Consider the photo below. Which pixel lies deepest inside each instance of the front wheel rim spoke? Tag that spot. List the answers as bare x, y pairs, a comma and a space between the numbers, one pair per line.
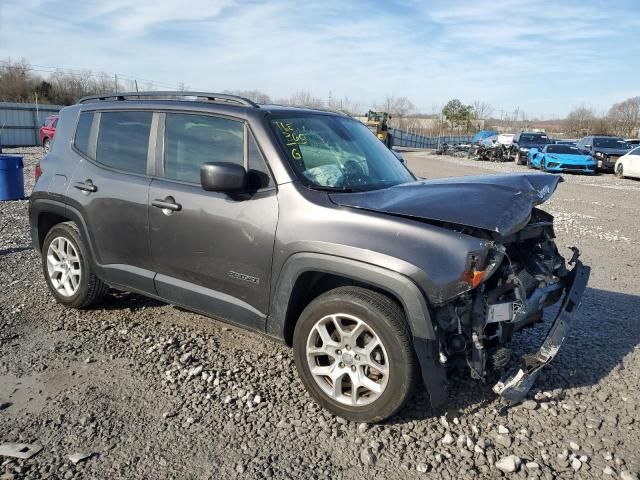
330, 362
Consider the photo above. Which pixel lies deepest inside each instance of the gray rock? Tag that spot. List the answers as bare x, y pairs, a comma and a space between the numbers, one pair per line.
367, 457
530, 404
447, 439
422, 467
509, 464
625, 475
576, 464
574, 446
532, 466
503, 430
363, 427
608, 471
79, 456
504, 440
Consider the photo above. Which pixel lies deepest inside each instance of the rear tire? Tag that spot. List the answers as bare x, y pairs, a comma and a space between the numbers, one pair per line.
67, 269
378, 360
46, 144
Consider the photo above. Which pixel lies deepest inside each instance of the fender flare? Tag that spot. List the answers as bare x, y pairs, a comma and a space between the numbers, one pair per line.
413, 301
39, 206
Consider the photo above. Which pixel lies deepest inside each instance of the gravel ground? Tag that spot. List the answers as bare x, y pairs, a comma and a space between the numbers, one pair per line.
151, 391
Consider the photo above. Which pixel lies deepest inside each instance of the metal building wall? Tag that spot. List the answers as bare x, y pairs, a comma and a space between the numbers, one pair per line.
20, 122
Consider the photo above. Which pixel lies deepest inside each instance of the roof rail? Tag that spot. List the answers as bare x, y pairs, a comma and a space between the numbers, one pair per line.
169, 95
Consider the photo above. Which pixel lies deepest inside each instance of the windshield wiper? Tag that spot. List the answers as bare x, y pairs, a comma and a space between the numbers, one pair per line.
327, 188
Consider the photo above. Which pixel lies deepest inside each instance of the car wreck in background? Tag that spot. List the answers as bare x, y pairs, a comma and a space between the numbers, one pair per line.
495, 148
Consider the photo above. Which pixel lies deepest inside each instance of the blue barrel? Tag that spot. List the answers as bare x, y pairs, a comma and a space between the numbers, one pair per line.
11, 178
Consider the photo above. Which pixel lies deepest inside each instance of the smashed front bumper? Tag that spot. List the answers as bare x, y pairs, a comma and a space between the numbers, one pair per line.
516, 383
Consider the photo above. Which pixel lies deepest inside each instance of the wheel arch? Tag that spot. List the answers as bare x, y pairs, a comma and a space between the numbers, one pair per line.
45, 213
307, 275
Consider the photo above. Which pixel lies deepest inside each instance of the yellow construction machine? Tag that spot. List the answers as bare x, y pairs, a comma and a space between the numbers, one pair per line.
378, 123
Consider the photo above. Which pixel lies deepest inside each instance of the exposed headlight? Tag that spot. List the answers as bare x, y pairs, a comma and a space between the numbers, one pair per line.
481, 265
525, 150
600, 155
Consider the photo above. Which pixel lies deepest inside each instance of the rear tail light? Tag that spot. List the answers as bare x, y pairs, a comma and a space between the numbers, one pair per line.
38, 171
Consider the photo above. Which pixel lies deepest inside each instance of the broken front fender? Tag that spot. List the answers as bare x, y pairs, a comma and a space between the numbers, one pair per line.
515, 385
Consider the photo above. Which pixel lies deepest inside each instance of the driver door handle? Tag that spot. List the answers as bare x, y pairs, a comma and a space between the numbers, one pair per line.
167, 204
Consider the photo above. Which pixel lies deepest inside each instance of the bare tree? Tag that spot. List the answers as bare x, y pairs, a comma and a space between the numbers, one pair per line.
17, 82
625, 116
481, 110
580, 121
396, 106
302, 98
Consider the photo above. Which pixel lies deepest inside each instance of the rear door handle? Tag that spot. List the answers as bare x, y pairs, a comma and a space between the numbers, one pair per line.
167, 204
86, 186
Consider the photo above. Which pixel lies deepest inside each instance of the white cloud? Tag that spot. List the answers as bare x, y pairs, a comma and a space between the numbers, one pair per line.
539, 56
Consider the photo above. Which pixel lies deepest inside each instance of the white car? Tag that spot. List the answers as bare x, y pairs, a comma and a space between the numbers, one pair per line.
629, 164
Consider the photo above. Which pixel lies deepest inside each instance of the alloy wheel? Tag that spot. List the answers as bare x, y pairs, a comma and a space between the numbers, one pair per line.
347, 359
63, 266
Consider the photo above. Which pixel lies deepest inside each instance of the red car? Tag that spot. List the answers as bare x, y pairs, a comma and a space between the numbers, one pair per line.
48, 131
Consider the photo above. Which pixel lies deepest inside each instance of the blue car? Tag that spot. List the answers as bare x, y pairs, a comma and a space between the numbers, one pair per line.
561, 158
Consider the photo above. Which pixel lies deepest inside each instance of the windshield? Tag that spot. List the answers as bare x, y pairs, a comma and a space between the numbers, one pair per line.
610, 143
338, 153
563, 149
534, 138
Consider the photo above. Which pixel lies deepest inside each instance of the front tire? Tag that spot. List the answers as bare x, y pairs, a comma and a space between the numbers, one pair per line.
46, 145
620, 171
354, 354
528, 162
517, 159
67, 270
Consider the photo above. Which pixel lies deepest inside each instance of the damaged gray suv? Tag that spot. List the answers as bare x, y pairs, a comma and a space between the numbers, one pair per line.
301, 225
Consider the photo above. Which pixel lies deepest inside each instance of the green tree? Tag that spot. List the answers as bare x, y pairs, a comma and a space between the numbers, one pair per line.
458, 114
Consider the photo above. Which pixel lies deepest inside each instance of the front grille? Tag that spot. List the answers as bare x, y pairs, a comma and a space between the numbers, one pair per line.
573, 167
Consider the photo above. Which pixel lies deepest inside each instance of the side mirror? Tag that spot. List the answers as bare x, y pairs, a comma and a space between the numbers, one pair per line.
586, 147
223, 177
534, 151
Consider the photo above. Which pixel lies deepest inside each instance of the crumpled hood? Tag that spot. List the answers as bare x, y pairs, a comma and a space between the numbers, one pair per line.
611, 151
499, 203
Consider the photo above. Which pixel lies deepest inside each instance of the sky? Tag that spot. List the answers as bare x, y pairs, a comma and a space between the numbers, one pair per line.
542, 57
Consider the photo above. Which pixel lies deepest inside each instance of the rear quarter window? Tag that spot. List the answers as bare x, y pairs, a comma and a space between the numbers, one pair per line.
83, 131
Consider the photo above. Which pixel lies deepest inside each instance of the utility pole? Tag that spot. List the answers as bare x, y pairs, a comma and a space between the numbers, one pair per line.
136, 81
116, 77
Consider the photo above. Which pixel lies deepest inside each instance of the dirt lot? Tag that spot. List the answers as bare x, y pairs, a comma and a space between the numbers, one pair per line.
152, 391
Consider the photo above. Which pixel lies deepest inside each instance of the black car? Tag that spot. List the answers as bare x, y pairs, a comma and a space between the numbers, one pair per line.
300, 225
605, 149
525, 141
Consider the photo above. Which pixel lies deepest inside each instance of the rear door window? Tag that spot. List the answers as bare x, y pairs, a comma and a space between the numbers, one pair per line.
191, 140
123, 140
